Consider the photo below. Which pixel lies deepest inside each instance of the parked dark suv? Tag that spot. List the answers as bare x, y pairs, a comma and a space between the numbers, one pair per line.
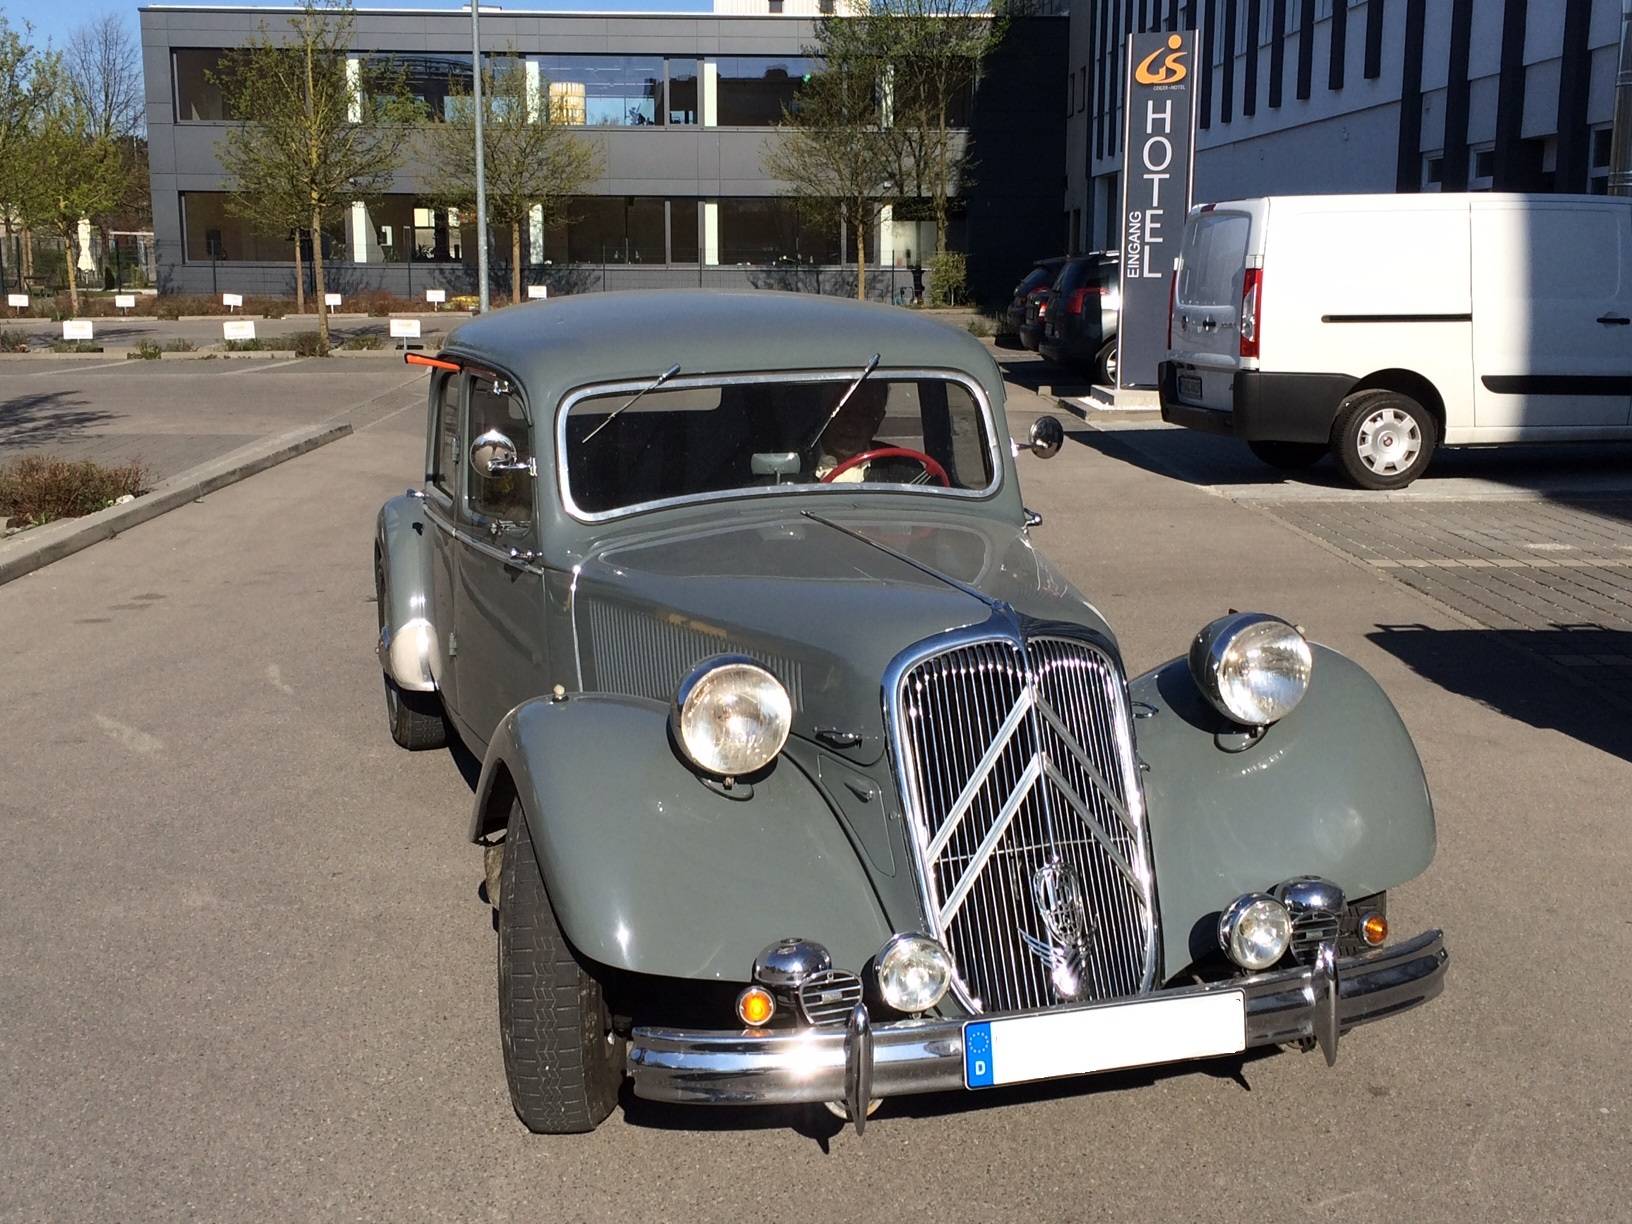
1084, 310
1022, 317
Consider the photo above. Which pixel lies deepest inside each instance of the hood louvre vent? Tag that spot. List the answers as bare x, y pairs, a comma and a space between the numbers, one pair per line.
639, 655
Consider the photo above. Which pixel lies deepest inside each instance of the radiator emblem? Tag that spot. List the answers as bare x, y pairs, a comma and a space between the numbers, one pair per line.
1058, 894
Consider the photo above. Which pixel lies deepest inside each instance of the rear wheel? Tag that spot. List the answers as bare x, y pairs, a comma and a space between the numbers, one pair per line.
1105, 364
1289, 456
1384, 439
562, 1061
415, 719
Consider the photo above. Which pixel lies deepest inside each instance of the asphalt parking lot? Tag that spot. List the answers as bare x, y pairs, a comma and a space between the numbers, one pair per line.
245, 971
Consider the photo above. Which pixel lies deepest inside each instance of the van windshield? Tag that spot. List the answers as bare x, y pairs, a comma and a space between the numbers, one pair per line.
1214, 253
767, 435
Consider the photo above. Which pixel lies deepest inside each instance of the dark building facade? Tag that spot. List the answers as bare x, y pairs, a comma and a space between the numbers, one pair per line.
678, 107
1304, 96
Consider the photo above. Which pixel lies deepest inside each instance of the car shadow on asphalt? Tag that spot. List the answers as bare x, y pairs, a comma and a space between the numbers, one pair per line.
817, 1123
1573, 679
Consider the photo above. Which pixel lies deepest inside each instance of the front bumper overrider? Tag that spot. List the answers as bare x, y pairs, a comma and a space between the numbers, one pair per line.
862, 1061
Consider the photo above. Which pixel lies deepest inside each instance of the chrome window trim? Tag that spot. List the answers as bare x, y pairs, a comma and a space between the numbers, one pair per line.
1007, 630
629, 386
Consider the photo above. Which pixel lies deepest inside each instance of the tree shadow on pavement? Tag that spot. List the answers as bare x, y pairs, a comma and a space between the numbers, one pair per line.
1575, 679
29, 422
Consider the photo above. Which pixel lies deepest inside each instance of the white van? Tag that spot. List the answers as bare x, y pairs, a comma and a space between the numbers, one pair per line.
1377, 327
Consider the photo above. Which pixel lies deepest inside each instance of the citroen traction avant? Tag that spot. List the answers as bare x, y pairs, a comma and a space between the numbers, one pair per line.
807, 778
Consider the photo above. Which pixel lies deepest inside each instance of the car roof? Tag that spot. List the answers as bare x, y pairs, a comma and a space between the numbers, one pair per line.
560, 344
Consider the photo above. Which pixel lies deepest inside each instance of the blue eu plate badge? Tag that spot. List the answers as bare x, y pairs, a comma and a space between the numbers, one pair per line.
977, 1055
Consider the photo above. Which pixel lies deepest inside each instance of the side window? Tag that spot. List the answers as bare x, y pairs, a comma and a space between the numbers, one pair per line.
445, 461
507, 497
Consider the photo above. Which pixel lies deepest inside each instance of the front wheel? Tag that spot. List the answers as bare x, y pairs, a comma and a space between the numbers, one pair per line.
1288, 456
562, 1061
1384, 439
1105, 364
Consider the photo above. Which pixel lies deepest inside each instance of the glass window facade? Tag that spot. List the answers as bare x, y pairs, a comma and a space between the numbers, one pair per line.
210, 232
197, 97
683, 95
684, 219
436, 80
771, 231
754, 90
612, 230
606, 90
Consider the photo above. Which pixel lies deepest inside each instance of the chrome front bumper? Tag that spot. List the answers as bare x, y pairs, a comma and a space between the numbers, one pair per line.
864, 1061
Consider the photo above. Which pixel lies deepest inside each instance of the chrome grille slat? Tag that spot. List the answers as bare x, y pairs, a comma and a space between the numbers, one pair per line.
827, 998
1016, 756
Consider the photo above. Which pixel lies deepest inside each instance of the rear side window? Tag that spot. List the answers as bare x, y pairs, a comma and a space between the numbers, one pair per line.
1037, 278
1215, 252
445, 462
1075, 274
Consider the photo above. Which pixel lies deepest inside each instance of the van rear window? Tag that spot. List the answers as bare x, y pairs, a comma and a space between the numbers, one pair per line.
1215, 252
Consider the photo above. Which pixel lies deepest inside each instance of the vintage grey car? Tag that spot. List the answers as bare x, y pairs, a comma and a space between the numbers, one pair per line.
807, 778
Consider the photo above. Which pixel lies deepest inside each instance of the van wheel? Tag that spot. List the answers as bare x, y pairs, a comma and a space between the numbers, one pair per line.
563, 1063
1105, 365
1289, 456
1384, 439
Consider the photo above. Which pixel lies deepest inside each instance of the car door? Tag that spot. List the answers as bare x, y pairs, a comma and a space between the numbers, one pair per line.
1550, 291
499, 658
443, 468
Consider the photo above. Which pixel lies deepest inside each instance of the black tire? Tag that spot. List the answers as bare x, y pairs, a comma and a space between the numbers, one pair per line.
563, 1066
1368, 419
415, 719
1289, 456
1105, 364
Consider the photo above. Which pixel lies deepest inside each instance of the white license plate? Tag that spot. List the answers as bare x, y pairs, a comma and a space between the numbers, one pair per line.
1085, 1040
1189, 387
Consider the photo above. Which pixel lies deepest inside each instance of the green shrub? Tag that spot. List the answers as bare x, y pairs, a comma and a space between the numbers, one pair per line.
308, 344
38, 489
257, 345
147, 350
362, 340
75, 346
180, 346
980, 327
13, 341
948, 279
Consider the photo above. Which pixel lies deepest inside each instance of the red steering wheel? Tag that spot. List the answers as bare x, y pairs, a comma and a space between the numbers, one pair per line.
931, 469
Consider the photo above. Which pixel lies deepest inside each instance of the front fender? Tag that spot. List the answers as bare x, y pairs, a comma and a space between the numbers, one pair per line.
653, 871
407, 645
1334, 789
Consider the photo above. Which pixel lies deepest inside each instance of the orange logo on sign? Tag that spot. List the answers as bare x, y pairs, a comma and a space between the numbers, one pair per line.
1171, 71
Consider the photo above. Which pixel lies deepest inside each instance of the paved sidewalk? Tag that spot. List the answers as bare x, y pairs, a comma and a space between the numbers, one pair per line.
170, 416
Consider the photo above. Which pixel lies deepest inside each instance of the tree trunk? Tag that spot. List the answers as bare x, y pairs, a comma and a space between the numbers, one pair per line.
515, 262
317, 283
300, 279
69, 233
860, 231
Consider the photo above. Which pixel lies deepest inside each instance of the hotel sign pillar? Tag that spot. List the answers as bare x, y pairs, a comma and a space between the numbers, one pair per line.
1158, 157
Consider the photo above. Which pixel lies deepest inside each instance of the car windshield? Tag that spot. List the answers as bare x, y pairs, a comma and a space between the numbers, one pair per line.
924, 433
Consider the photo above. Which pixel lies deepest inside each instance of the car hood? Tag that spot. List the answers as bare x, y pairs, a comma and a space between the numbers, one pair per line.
825, 603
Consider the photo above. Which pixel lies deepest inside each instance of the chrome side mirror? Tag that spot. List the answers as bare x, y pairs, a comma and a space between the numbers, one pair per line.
493, 454
1046, 437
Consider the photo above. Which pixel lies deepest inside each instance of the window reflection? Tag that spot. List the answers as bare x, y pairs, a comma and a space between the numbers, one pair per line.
772, 231
197, 97
755, 90
604, 90
436, 80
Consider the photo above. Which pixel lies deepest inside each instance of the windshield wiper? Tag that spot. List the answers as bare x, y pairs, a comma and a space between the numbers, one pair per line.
872, 364
633, 399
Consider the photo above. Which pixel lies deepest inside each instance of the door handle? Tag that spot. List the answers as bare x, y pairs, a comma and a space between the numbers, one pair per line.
1614, 320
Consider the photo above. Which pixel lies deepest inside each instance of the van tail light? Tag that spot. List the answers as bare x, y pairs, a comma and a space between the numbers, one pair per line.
1252, 294
1172, 293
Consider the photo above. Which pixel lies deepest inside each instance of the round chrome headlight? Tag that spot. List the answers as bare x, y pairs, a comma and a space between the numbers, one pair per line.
1255, 931
1253, 668
913, 973
731, 716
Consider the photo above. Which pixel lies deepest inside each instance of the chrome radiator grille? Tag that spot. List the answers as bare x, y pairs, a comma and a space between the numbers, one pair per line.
1024, 800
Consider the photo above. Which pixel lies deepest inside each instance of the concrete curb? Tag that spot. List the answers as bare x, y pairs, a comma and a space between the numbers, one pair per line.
40, 546
107, 354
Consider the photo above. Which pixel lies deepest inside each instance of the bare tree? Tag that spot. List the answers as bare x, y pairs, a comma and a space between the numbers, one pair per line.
104, 70
312, 129
532, 161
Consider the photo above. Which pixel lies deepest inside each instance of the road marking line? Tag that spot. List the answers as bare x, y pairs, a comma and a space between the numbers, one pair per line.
274, 364
129, 737
77, 368
1501, 563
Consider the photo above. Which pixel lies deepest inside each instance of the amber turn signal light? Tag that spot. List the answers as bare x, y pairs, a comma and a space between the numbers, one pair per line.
755, 1006
1373, 928
435, 363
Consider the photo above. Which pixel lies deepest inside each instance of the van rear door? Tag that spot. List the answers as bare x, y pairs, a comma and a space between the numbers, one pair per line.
1206, 339
1552, 319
